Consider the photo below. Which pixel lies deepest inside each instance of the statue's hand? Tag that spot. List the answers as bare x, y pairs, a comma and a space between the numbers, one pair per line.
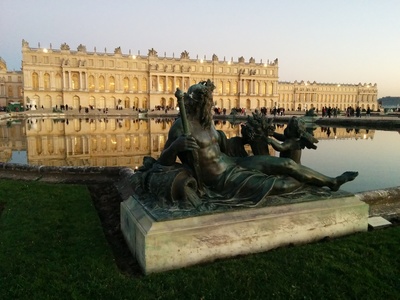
185, 143
178, 93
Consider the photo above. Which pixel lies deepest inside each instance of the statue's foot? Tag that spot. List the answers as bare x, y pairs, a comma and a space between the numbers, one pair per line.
345, 177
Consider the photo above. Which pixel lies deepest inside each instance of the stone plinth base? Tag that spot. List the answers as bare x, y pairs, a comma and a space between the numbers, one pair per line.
166, 245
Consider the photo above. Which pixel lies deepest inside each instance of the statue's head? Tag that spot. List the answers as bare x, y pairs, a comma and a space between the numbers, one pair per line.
199, 100
296, 128
199, 93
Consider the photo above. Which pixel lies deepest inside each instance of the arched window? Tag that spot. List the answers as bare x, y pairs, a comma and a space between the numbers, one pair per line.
101, 84
178, 83
234, 87
162, 84
248, 104
111, 84
46, 81
256, 87
135, 84
228, 88
111, 103
127, 103
91, 83
144, 85
220, 86
269, 92
144, 103
91, 101
75, 81
136, 102
170, 85
126, 84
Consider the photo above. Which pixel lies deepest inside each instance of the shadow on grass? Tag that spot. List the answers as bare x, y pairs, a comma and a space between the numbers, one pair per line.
107, 201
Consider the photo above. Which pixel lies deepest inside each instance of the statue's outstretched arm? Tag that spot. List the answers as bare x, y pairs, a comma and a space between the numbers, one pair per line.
291, 144
279, 136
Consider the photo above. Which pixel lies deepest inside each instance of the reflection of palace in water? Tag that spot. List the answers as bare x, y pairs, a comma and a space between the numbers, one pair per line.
12, 138
111, 141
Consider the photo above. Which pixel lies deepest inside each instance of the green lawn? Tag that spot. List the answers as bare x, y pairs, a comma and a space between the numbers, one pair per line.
52, 247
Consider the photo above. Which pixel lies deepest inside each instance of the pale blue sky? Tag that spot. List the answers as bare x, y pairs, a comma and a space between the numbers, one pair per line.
337, 41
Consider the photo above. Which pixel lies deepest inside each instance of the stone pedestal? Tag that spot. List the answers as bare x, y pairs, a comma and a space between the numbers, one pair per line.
165, 245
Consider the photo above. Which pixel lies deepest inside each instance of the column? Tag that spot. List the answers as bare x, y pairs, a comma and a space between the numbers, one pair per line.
69, 80
64, 80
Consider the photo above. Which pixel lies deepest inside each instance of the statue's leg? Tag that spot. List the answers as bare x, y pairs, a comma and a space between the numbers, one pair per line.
284, 184
272, 165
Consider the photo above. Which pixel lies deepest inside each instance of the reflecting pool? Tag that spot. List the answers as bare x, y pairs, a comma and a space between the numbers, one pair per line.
125, 141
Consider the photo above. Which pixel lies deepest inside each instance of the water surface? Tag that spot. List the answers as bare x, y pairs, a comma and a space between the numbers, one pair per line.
124, 142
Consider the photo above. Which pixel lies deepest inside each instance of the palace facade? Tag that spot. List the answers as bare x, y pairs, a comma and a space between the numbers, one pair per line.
11, 85
79, 78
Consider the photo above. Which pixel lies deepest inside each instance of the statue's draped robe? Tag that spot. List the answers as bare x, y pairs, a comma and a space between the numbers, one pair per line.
240, 187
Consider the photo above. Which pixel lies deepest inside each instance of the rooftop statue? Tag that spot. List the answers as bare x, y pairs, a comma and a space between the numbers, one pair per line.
210, 173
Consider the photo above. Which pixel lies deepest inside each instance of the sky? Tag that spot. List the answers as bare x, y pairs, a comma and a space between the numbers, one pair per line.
327, 41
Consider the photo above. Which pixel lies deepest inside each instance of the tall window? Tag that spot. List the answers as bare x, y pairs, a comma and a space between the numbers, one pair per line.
144, 85
75, 81
170, 84
234, 87
91, 83
228, 88
101, 83
111, 84
126, 85
46, 81
135, 84
220, 85
35, 81
162, 84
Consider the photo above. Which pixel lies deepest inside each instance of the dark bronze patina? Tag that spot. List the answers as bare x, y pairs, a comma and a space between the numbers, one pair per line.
217, 172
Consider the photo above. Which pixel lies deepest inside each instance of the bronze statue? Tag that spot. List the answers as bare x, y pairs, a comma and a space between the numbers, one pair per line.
294, 139
259, 132
229, 180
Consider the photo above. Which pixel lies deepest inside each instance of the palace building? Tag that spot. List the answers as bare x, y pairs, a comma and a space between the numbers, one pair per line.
79, 78
11, 85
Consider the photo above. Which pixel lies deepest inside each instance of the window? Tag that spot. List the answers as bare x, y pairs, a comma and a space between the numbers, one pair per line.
35, 81
111, 84
101, 84
126, 85
46, 81
75, 81
91, 84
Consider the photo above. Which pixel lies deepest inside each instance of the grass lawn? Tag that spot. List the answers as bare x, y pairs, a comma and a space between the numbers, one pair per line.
52, 246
